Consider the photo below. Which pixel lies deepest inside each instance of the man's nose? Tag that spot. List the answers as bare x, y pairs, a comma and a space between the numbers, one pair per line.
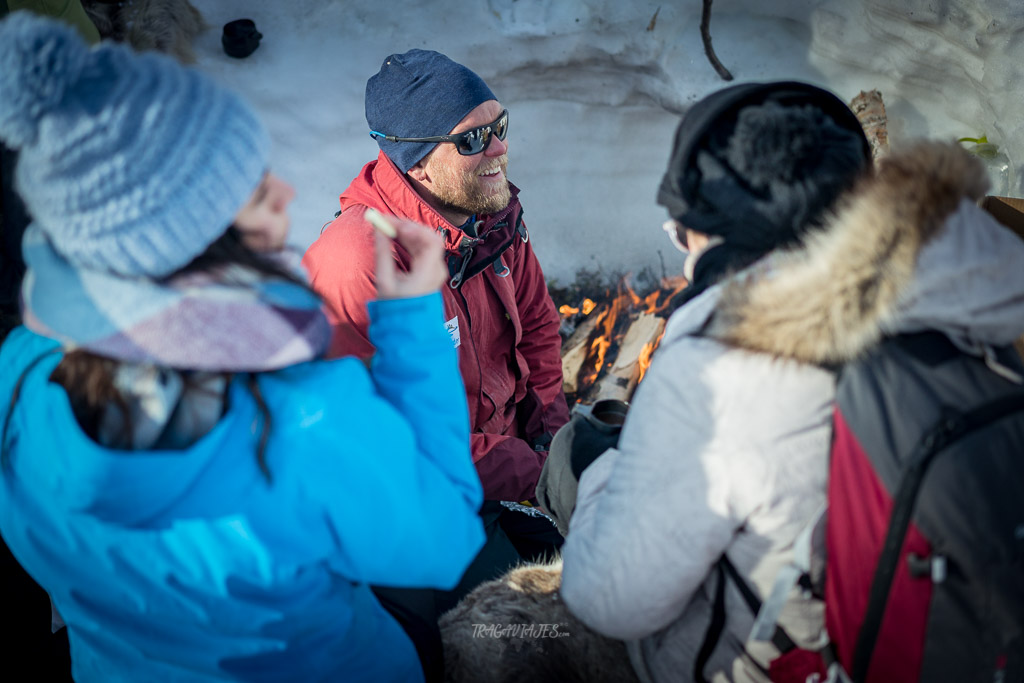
496, 147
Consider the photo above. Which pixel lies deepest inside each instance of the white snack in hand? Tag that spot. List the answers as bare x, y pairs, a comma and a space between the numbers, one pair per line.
377, 220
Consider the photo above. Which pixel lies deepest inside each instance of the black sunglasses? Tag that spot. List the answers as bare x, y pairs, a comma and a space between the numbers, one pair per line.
469, 142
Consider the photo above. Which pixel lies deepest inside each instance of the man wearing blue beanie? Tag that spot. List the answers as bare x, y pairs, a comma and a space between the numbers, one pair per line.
442, 162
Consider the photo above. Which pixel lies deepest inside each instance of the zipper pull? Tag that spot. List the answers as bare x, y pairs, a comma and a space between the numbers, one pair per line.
457, 278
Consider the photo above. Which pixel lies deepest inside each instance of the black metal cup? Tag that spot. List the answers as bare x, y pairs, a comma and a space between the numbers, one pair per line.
240, 38
606, 415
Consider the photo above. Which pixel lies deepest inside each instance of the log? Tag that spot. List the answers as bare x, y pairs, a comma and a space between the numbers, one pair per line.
621, 378
870, 111
574, 353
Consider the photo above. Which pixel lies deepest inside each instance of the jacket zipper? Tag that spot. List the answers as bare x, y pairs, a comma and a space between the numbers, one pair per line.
476, 354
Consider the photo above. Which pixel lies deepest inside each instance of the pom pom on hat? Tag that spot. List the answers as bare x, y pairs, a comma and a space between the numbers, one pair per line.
40, 60
129, 163
759, 163
772, 143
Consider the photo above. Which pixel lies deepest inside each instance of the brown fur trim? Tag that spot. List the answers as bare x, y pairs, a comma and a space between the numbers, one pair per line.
512, 652
824, 302
168, 26
165, 26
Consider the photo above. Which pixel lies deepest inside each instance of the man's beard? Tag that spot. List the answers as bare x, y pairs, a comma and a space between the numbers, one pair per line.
462, 192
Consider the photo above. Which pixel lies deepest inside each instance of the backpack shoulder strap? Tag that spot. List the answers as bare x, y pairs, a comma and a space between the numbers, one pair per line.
800, 571
725, 569
715, 628
782, 641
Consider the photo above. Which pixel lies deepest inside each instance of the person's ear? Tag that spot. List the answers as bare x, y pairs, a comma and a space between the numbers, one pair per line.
419, 171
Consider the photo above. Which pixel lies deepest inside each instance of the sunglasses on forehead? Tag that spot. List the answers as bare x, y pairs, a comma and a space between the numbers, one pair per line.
469, 142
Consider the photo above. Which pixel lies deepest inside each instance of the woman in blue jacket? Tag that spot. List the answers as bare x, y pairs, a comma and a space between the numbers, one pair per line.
202, 495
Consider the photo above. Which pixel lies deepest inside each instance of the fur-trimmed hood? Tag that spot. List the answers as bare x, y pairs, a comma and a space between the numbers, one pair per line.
907, 250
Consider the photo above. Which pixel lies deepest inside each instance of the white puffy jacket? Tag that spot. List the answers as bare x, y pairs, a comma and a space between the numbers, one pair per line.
725, 449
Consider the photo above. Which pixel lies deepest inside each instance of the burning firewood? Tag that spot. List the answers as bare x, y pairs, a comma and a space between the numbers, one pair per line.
870, 111
633, 358
574, 354
610, 348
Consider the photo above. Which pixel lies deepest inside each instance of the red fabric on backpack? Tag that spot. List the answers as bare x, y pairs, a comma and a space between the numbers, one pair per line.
858, 517
795, 666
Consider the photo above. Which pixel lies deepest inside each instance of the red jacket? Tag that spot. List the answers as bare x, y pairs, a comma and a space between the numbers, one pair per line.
496, 305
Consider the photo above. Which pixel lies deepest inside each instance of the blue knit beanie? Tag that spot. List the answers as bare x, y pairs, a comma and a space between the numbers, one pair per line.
129, 163
420, 94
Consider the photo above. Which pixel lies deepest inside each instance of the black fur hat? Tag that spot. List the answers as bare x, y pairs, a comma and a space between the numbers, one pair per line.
758, 163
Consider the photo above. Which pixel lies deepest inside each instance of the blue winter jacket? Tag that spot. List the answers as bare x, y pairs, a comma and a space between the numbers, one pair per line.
189, 565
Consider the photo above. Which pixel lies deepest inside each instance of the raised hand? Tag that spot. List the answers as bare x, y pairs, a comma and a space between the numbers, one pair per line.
427, 271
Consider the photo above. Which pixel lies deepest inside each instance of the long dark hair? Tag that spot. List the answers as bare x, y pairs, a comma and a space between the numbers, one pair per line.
88, 378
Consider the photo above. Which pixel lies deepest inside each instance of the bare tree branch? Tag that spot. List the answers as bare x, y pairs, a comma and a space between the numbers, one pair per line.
705, 34
654, 19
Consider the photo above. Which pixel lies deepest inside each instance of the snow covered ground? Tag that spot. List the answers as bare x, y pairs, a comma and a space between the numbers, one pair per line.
595, 89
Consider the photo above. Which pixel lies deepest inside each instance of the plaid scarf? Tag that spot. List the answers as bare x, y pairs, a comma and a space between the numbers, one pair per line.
230, 319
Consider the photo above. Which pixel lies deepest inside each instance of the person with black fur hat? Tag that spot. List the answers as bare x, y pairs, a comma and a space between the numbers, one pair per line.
803, 258
742, 180
723, 451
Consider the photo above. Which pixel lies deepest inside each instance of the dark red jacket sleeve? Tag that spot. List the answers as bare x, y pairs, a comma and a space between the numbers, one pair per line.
544, 409
508, 467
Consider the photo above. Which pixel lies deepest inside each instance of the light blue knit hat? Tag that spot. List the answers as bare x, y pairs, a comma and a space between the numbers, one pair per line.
129, 163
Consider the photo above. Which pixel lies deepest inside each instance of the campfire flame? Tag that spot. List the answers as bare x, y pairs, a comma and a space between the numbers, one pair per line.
644, 360
587, 306
649, 304
606, 320
614, 315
